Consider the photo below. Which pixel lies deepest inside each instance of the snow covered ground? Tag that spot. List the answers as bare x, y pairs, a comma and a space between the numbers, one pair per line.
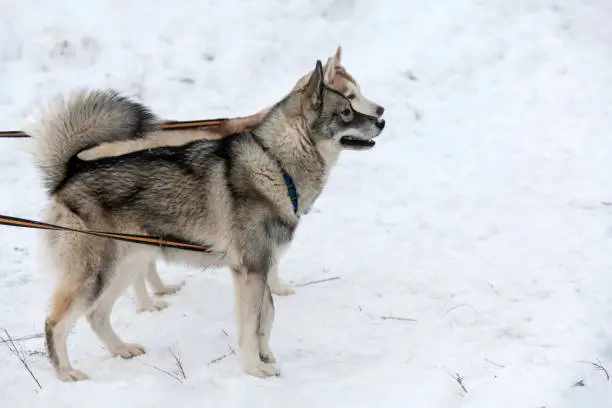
478, 223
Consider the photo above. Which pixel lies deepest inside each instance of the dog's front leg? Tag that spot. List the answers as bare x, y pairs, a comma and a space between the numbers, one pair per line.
265, 327
255, 315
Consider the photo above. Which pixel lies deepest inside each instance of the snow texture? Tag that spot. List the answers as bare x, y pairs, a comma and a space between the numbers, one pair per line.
473, 240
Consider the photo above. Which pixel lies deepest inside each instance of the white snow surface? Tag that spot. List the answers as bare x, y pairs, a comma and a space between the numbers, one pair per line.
478, 223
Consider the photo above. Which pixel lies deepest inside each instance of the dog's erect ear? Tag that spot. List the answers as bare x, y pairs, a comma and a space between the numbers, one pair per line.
331, 65
338, 56
313, 93
329, 70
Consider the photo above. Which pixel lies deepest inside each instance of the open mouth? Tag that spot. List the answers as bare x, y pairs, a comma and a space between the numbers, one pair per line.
359, 143
356, 142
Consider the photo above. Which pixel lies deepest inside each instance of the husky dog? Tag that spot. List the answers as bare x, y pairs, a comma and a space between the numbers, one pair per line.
242, 195
335, 76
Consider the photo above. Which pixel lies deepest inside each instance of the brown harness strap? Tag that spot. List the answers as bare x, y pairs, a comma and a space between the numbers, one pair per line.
167, 125
191, 124
13, 133
139, 239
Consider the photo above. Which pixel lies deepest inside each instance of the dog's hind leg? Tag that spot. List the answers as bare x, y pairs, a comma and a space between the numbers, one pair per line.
276, 286
99, 315
160, 288
67, 305
251, 289
144, 301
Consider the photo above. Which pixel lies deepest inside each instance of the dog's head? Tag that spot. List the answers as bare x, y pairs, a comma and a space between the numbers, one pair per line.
338, 78
330, 117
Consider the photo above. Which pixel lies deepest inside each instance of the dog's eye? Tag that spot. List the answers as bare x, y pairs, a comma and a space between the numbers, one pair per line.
351, 96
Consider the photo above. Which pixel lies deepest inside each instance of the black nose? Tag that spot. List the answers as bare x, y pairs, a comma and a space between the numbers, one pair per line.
380, 124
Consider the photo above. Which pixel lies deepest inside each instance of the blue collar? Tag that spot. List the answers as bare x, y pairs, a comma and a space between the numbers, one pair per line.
291, 189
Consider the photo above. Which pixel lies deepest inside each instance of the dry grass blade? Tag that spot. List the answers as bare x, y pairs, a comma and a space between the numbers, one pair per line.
24, 338
459, 380
494, 363
179, 363
18, 352
318, 281
216, 360
403, 319
456, 307
598, 366
161, 370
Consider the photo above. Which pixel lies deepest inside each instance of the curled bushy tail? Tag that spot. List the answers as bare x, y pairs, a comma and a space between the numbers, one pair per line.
81, 121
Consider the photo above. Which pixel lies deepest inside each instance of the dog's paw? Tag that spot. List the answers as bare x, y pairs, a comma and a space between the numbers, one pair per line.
282, 290
267, 357
169, 289
155, 306
72, 375
262, 370
129, 351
